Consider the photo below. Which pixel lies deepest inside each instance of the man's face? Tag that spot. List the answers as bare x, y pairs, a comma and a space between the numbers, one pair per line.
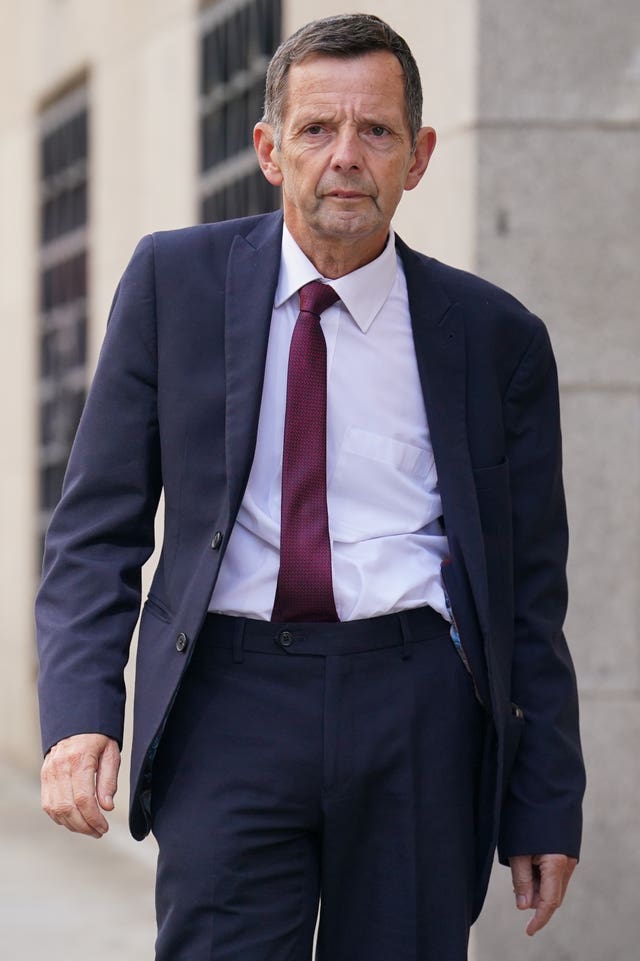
345, 155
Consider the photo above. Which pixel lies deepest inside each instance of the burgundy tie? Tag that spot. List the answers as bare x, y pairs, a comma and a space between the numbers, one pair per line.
305, 591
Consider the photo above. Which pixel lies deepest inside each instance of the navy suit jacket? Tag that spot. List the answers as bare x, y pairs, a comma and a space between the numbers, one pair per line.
174, 406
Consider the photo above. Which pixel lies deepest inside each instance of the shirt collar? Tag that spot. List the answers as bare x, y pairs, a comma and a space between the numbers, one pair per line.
363, 292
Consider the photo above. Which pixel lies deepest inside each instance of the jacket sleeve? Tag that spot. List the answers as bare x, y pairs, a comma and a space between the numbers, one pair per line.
542, 809
101, 532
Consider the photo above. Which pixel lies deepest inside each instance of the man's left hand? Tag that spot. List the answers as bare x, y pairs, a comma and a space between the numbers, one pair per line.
540, 882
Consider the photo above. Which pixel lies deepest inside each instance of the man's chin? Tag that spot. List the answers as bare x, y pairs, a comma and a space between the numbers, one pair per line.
348, 224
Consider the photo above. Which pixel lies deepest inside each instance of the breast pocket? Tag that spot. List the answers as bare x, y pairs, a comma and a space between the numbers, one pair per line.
380, 486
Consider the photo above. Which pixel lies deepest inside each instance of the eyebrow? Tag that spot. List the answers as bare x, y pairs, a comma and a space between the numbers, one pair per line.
374, 120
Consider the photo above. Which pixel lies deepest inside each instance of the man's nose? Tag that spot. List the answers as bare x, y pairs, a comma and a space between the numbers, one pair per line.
347, 151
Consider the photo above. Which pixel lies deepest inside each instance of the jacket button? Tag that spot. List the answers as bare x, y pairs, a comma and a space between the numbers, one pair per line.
217, 540
285, 638
182, 643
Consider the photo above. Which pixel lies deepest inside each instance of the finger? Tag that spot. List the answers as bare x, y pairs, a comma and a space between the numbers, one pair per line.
572, 863
56, 792
107, 776
83, 783
524, 881
552, 869
46, 794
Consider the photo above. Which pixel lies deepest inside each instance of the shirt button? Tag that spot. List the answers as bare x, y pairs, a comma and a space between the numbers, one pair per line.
285, 638
182, 643
217, 540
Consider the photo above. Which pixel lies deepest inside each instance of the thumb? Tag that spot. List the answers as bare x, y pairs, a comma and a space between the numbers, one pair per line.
107, 775
523, 880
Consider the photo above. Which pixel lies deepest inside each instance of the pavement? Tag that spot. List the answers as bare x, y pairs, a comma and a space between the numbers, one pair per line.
64, 897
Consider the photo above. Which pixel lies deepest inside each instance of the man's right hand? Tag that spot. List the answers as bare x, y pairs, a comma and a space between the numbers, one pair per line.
79, 779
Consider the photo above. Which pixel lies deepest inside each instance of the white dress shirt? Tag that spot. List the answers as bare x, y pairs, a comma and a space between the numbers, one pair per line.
387, 539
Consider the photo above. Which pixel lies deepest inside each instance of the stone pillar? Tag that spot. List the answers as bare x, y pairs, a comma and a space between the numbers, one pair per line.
558, 212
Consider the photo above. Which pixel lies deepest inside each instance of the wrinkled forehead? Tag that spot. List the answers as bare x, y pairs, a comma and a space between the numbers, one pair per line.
366, 78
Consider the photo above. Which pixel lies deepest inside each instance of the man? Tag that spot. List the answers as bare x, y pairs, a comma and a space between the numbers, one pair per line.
351, 676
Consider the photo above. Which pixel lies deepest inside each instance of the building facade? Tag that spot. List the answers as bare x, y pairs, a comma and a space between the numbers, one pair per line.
122, 118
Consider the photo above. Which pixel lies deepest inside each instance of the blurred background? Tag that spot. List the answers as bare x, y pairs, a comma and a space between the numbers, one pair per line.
123, 117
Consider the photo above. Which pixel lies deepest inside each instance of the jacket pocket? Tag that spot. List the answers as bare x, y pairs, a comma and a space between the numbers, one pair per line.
156, 607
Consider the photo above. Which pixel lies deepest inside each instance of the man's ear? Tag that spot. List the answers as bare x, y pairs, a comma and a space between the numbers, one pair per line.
425, 145
264, 142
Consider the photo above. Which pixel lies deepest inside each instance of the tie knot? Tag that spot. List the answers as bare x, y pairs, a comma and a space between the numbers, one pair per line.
316, 297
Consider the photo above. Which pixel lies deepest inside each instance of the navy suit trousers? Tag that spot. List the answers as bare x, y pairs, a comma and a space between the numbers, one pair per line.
307, 764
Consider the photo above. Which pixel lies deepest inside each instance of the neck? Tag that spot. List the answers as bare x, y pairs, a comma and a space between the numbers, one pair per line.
336, 258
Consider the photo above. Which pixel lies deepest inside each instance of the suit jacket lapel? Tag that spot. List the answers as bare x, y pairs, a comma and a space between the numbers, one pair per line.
252, 277
439, 337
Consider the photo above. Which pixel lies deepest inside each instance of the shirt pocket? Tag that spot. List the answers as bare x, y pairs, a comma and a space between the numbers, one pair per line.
381, 486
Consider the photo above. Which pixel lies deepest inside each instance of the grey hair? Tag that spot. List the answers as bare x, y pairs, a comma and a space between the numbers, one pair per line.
347, 35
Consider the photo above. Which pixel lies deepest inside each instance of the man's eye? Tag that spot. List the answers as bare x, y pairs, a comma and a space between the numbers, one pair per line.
379, 131
314, 129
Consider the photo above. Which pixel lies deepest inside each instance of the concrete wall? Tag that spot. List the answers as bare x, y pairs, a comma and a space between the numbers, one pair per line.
18, 464
558, 211
142, 78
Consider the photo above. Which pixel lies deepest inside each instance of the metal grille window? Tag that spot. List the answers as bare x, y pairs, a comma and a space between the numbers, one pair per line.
63, 287
238, 39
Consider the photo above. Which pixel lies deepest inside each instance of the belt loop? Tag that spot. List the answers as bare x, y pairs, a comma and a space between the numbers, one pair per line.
238, 638
406, 637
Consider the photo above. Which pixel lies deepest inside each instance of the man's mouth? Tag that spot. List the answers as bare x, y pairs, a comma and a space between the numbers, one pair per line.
346, 194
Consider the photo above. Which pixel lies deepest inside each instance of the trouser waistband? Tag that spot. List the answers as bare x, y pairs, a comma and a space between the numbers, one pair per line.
323, 639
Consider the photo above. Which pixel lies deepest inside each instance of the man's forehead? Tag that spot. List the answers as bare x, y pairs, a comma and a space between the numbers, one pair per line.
324, 77
335, 64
